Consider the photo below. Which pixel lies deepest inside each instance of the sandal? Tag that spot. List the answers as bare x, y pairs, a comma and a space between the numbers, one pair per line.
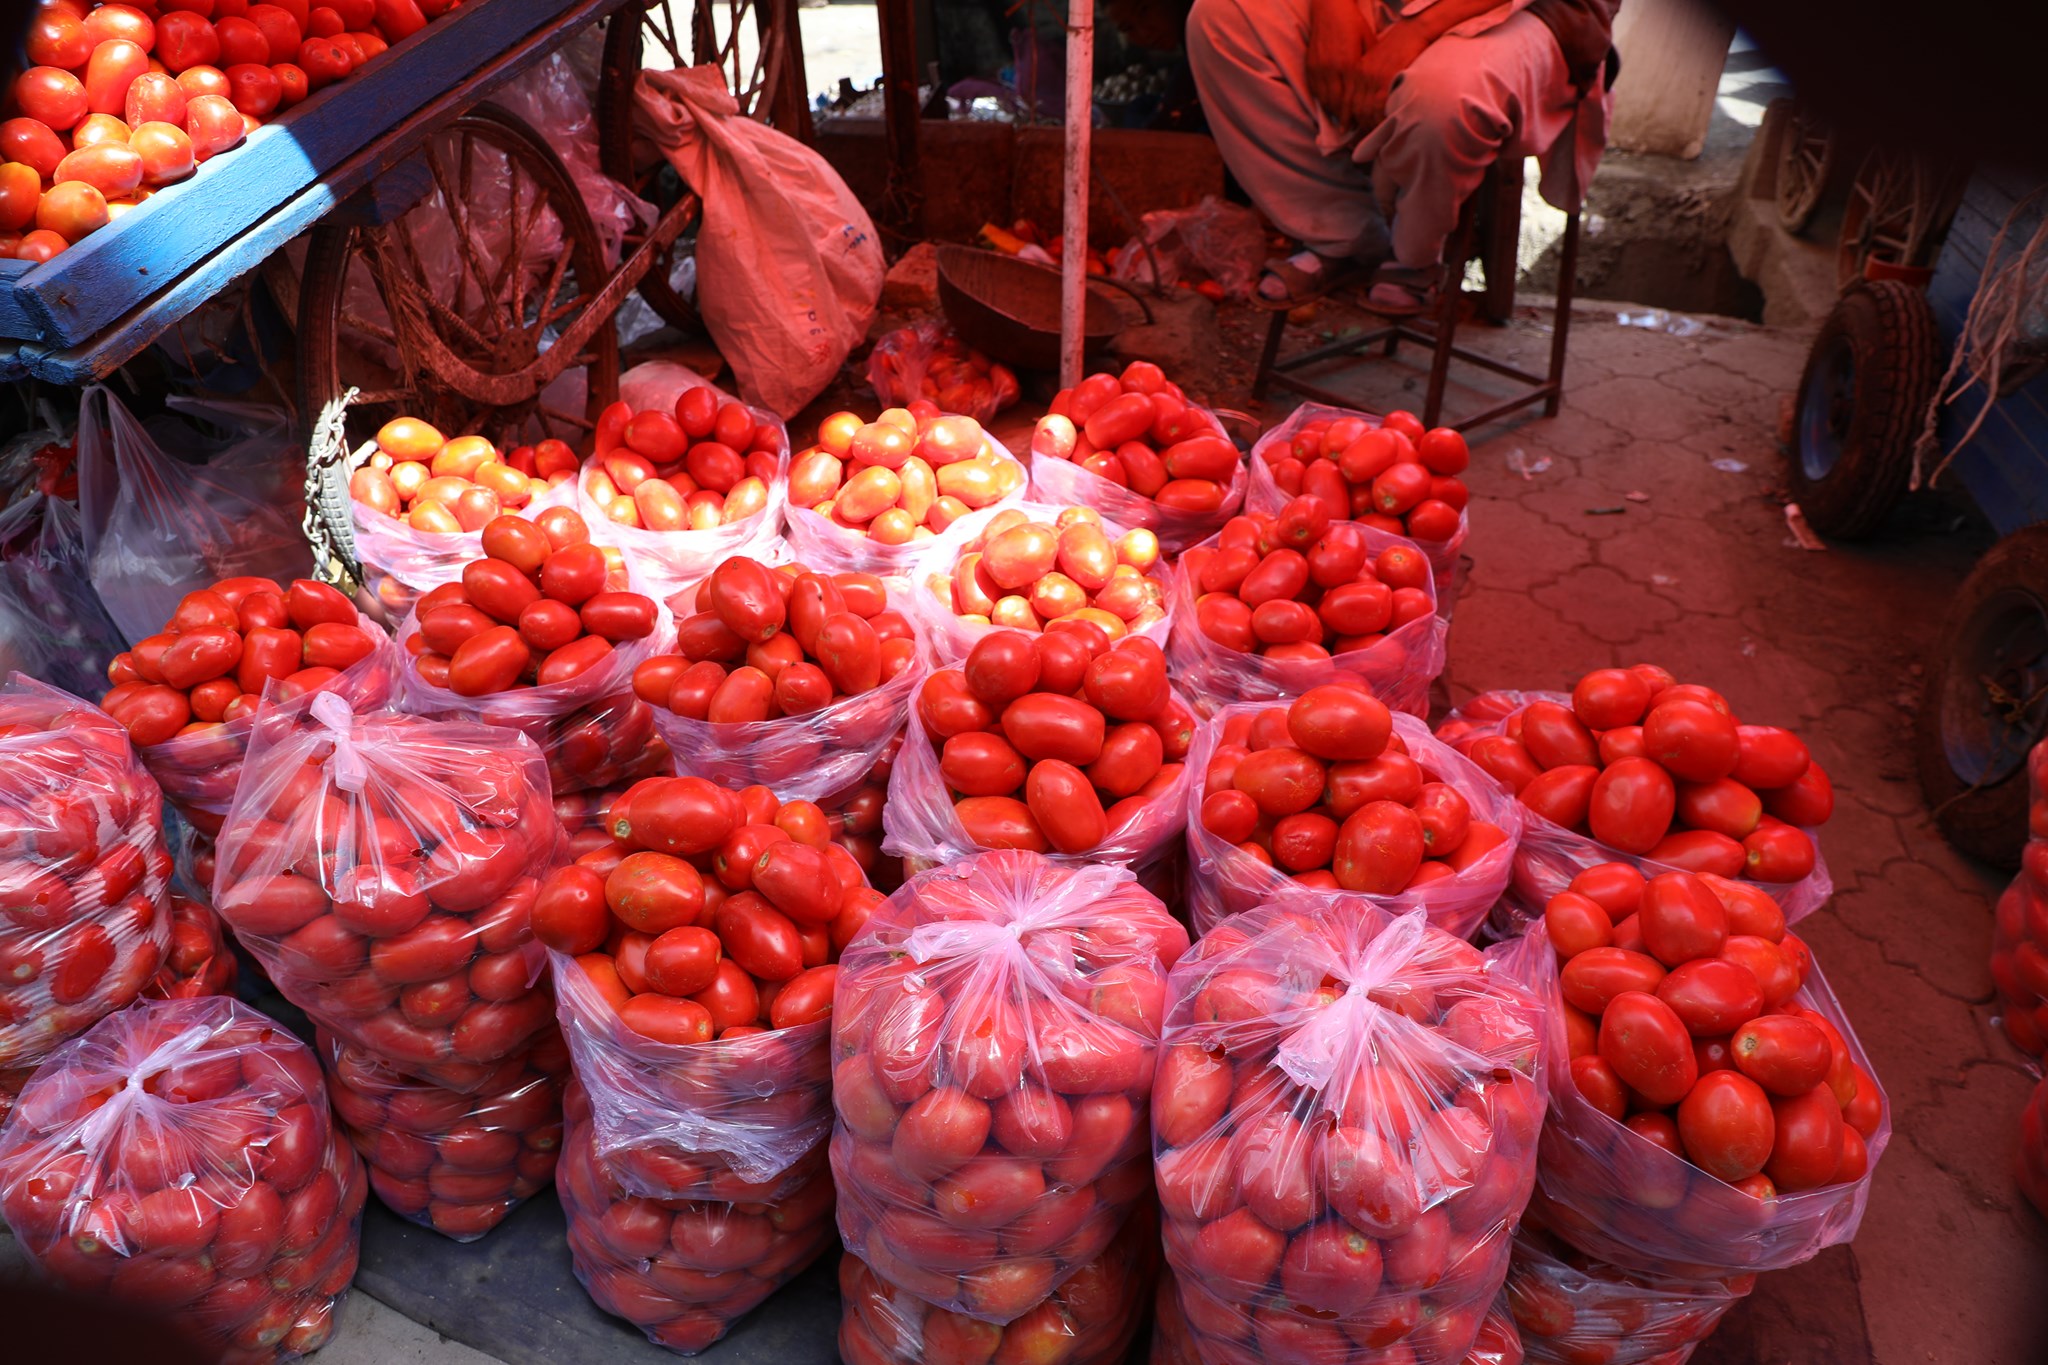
1403, 291
1301, 286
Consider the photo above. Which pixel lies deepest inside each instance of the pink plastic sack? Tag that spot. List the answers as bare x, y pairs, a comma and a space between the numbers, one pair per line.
2019, 933
833, 549
383, 869
1399, 668
1066, 483
2032, 1164
180, 1156
199, 961
1091, 1319
1572, 1308
452, 1161
1550, 855
1227, 880
83, 870
1620, 1198
994, 1031
1344, 1133
684, 1268
1498, 1343
929, 361
1446, 557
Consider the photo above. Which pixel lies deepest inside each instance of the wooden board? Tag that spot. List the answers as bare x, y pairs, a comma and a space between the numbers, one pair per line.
72, 298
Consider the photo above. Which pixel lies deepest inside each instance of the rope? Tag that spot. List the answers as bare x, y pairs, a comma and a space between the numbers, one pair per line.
2005, 294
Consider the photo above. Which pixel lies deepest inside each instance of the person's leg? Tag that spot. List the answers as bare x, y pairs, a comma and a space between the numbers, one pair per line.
1448, 117
1249, 59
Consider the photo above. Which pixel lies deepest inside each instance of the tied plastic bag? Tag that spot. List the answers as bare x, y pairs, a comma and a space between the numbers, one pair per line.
1091, 1319
2019, 934
199, 961
452, 1161
1212, 241
180, 1156
2032, 1163
976, 484
83, 870
789, 266
1265, 494
1572, 1308
52, 625
684, 1269
156, 529
1621, 1198
928, 360
1549, 855
383, 870
994, 1031
1344, 1127
1399, 666
1227, 879
1498, 1343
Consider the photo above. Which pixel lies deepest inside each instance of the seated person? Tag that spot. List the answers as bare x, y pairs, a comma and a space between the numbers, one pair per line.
1359, 128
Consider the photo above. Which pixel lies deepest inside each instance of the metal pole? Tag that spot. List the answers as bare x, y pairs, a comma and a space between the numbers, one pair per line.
1080, 111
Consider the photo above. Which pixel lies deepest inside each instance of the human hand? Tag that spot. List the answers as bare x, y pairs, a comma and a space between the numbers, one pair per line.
1336, 45
1385, 59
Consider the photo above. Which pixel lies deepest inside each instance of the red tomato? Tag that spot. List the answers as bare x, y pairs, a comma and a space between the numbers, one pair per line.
1727, 1126
1379, 847
1778, 853
1065, 807
1643, 1039
1631, 806
1595, 976
1712, 996
1807, 1149
1691, 739
1555, 738
1682, 919
1783, 1053
1608, 698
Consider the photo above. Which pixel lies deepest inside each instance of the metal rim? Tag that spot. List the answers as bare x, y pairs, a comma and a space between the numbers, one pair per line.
1994, 704
1827, 407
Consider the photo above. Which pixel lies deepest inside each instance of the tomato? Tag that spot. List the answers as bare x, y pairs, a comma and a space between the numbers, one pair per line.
73, 210
166, 152
1643, 1039
1609, 698
1043, 725
1682, 919
759, 938
1063, 804
1595, 976
487, 663
1128, 682
1000, 822
1631, 805
52, 97
977, 764
940, 1132
1783, 1053
1809, 800
1807, 1149
1727, 1125
1712, 996
1507, 762
32, 143
1562, 795
1724, 806
1774, 971
1575, 923
1692, 739
1379, 846
1778, 853
1339, 723
214, 125
1555, 738
618, 616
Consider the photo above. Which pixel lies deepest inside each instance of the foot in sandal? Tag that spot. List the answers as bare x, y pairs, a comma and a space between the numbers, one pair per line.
1302, 277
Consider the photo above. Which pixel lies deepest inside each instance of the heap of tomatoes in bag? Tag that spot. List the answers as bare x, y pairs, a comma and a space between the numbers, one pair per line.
2019, 940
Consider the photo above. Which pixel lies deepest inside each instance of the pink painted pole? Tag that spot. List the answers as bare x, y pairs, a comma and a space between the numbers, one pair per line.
1080, 113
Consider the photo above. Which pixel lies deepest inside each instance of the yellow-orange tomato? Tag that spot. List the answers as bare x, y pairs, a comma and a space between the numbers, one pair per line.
835, 433
512, 487
71, 210
20, 188
39, 246
429, 515
463, 456
408, 438
166, 153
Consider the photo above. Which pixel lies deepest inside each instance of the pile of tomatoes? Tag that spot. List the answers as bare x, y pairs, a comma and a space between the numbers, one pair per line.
199, 961
1060, 742
903, 478
443, 487
994, 1043
1498, 1343
1575, 1310
1344, 1129
1394, 476
120, 100
1657, 769
930, 362
383, 869
2019, 939
1334, 793
453, 1160
83, 870
1693, 1019
709, 463
1154, 459
189, 694
180, 1157
1031, 568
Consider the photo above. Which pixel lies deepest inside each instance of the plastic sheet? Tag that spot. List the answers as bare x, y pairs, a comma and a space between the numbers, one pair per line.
928, 360
1446, 557
1226, 880
2019, 933
1549, 855
1622, 1199
446, 1160
1344, 1124
1001, 997
1066, 483
180, 1156
83, 870
1399, 668
383, 868
1571, 1308
156, 528
1091, 1319
199, 961
683, 1270
52, 625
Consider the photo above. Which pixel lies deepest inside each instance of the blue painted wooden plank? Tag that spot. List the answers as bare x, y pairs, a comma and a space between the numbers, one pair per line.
98, 280
14, 319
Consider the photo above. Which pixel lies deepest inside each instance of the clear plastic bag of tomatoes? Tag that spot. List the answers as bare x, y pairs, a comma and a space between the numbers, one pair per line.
383, 869
1498, 1342
1572, 1308
50, 618
1058, 446
1344, 1124
1227, 879
1092, 1318
1446, 557
457, 1162
180, 1156
400, 562
1399, 666
818, 753
199, 767
929, 361
1621, 1198
592, 731
2019, 933
831, 548
1550, 855
994, 1033
83, 870
685, 1269
199, 961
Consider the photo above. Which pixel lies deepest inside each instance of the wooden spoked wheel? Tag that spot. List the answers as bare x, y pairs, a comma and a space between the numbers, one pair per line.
1899, 206
1807, 153
477, 308
755, 43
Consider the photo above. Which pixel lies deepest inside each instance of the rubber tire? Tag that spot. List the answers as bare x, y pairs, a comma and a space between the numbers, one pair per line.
1989, 823
1893, 343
